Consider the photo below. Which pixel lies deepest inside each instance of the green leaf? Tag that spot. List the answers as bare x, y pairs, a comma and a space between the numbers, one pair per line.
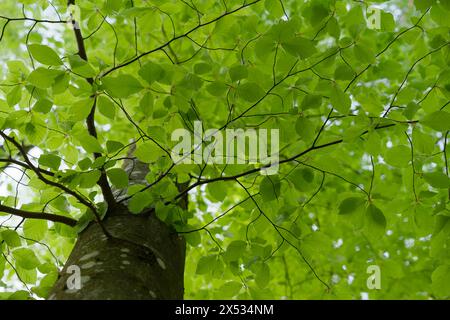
193, 239
11, 238
113, 146
43, 106
118, 177
202, 68
139, 202
340, 100
344, 72
235, 250
61, 83
81, 67
398, 156
35, 133
238, 72
302, 179
146, 104
440, 283
43, 78
439, 121
424, 4
230, 288
2, 267
19, 295
387, 21
44, 55
81, 109
262, 275
148, 152
299, 47
217, 88
218, 190
305, 128
89, 179
26, 259
28, 276
106, 107
375, 221
14, 96
250, 92
122, 86
46, 285
89, 143
437, 180
270, 188
205, 264
151, 72
50, 160
85, 164
35, 229
363, 53
311, 101
351, 205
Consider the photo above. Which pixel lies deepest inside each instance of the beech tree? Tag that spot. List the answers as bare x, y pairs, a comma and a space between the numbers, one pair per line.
349, 97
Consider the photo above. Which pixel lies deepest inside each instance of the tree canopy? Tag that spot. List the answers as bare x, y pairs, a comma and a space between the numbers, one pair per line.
358, 91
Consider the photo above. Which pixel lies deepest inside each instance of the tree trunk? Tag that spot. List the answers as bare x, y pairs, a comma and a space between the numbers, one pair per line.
144, 260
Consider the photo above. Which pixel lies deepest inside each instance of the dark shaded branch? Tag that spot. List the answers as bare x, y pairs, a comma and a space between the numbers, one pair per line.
38, 215
32, 19
90, 120
24, 165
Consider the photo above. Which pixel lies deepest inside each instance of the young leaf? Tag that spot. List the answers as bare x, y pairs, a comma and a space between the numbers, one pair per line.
50, 160
118, 177
375, 221
270, 188
238, 72
440, 283
139, 202
148, 152
11, 238
350, 205
122, 86
43, 106
44, 55
235, 250
340, 100
106, 107
26, 258
90, 143
113, 146
437, 179
35, 229
151, 72
439, 121
250, 92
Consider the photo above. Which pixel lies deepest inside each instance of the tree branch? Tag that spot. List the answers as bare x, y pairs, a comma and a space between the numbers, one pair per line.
38, 215
90, 120
24, 165
80, 198
161, 47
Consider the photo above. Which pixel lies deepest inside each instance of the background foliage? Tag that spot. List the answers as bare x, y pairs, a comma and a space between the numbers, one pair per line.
363, 119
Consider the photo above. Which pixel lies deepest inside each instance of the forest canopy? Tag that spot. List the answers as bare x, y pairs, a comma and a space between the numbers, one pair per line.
340, 188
